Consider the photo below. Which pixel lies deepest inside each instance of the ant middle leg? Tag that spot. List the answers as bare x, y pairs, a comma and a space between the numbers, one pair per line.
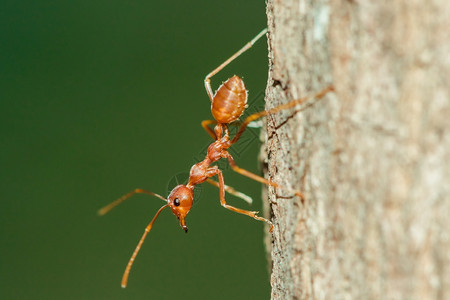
256, 177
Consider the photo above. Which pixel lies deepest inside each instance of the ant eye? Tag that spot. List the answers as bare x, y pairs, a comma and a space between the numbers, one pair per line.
176, 202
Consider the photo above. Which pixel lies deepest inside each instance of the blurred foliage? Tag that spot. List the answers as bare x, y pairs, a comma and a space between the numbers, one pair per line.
98, 98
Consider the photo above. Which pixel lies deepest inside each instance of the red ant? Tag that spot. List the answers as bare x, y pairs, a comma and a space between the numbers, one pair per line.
227, 105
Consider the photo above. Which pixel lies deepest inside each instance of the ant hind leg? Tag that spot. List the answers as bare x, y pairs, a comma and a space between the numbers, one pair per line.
205, 125
276, 109
225, 63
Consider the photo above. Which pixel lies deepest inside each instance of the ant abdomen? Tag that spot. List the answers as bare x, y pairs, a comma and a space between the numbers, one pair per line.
230, 101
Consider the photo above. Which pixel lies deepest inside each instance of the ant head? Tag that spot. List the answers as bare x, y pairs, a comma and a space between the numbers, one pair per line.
180, 201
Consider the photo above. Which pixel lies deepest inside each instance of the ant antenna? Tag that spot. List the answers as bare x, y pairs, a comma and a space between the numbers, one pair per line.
104, 210
138, 247
113, 204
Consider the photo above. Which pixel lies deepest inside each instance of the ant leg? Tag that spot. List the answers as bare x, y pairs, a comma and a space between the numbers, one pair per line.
205, 125
276, 109
225, 63
113, 204
252, 214
256, 177
232, 191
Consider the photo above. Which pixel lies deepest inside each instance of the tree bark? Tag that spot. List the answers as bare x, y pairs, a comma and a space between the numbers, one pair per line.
372, 158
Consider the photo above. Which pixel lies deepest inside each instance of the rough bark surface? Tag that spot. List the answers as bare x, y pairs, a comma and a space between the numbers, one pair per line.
372, 158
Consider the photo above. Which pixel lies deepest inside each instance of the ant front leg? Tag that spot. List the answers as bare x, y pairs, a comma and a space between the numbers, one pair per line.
232, 191
256, 177
252, 214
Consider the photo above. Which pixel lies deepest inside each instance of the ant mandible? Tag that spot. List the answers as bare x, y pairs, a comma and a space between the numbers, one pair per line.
227, 105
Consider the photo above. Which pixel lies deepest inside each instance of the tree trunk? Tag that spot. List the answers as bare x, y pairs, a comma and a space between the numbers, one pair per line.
372, 158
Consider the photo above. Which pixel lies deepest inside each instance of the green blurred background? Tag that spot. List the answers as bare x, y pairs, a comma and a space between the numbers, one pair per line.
98, 98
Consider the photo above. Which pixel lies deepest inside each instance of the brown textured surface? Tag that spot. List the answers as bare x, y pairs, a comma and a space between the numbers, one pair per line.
373, 159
